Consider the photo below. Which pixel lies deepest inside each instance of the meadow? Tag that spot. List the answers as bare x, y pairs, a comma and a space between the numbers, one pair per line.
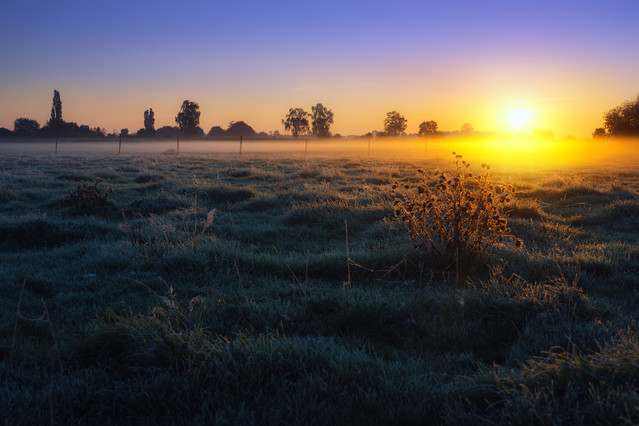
283, 290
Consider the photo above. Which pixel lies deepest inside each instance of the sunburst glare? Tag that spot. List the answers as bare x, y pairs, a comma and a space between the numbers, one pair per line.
519, 119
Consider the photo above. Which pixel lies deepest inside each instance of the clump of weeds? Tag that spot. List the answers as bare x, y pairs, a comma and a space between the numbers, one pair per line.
89, 198
457, 217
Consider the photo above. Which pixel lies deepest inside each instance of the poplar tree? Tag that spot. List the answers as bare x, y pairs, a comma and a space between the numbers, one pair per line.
149, 122
56, 108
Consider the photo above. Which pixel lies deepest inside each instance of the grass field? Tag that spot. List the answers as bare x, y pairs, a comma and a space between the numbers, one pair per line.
220, 290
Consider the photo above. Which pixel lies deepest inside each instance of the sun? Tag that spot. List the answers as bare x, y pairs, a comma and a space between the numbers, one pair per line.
520, 118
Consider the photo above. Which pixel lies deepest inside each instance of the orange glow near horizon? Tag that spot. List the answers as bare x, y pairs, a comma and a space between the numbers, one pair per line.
357, 110
536, 154
507, 153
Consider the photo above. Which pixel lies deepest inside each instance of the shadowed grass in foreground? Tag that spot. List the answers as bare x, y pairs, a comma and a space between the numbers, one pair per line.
217, 291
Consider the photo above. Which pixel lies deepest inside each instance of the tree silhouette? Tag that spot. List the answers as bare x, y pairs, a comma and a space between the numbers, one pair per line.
216, 132
321, 119
149, 122
56, 108
394, 124
429, 128
167, 132
124, 132
240, 128
623, 120
26, 127
188, 119
467, 129
296, 121
599, 132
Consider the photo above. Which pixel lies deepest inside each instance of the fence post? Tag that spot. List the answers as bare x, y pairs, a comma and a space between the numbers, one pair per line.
241, 137
120, 145
178, 145
424, 147
306, 147
369, 147
56, 146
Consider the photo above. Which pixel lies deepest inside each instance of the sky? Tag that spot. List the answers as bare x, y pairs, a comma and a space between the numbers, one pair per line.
455, 62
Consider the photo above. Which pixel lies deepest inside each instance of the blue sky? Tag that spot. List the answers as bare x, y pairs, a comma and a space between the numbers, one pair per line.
454, 61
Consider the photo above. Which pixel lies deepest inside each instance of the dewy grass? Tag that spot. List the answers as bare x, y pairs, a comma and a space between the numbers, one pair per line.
152, 325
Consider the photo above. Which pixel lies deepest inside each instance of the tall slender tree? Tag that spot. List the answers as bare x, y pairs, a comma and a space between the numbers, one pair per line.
56, 108
149, 122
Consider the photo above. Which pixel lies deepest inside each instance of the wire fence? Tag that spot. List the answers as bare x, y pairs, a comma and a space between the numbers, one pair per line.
240, 146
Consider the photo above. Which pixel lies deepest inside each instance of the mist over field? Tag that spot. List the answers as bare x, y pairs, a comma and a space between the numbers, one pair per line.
523, 151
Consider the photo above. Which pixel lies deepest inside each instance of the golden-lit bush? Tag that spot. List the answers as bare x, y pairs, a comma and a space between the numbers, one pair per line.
457, 217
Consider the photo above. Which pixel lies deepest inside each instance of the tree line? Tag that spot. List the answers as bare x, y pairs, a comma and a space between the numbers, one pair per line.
55, 126
298, 122
620, 121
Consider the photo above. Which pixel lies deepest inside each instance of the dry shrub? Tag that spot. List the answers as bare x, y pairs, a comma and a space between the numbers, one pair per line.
457, 217
89, 198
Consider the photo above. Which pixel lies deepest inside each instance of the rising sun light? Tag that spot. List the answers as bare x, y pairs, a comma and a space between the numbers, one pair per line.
520, 118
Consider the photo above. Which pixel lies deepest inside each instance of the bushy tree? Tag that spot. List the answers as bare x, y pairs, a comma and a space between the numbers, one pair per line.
240, 128
26, 127
623, 120
124, 132
188, 119
467, 129
429, 128
599, 132
167, 132
321, 120
394, 124
296, 121
216, 132
149, 122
